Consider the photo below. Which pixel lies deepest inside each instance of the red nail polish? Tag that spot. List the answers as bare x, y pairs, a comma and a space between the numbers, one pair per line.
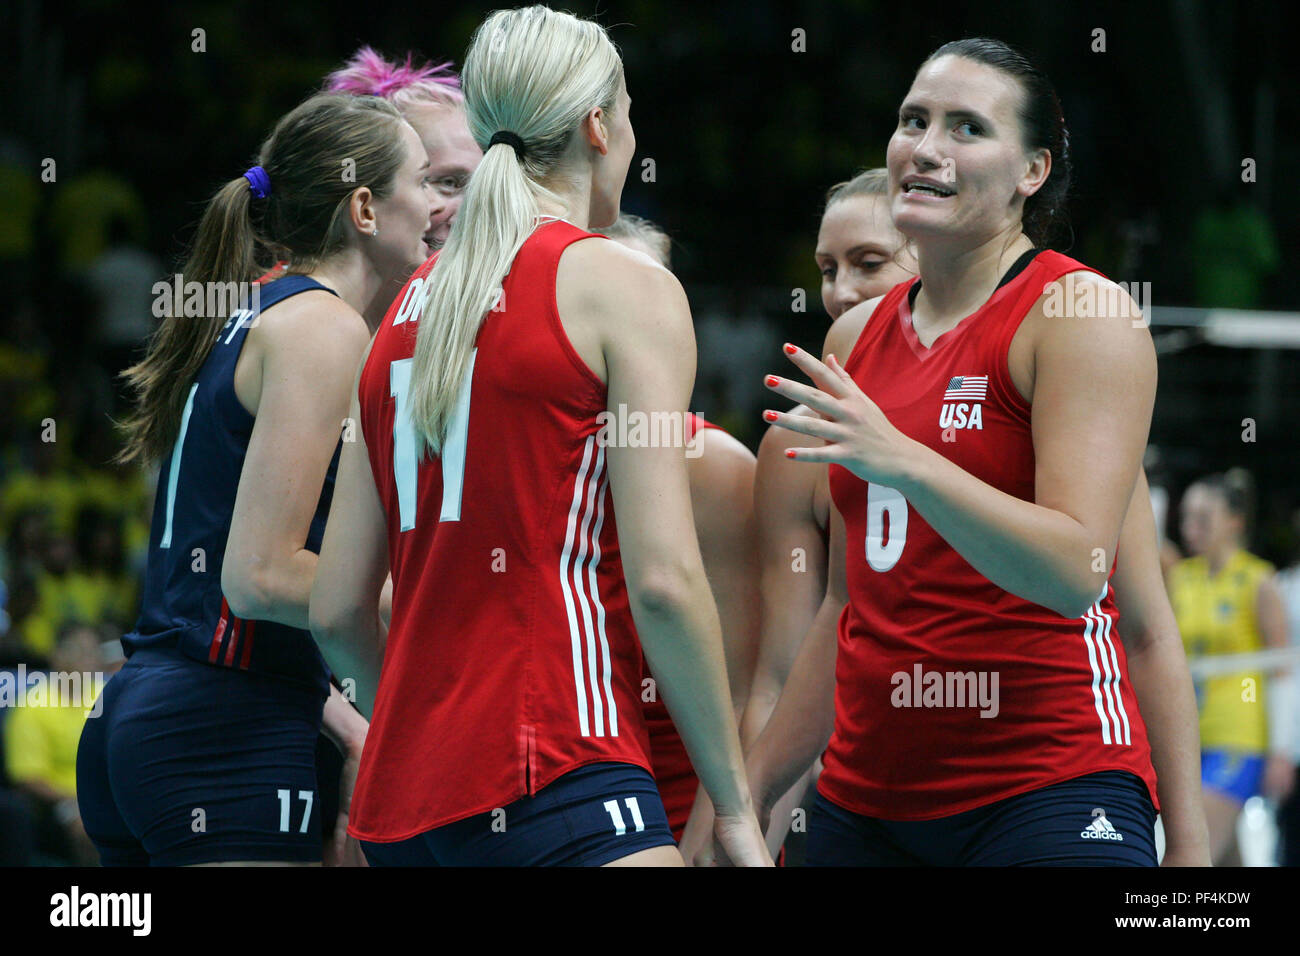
769, 416
789, 453
771, 381
790, 349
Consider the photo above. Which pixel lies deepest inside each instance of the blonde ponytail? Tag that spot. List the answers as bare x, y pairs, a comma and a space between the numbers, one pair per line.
535, 73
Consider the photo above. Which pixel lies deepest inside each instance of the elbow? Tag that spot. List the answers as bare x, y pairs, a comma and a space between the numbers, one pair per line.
328, 618
1075, 602
323, 622
661, 592
248, 594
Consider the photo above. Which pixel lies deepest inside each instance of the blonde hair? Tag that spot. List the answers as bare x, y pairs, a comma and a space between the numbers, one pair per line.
869, 182
535, 73
639, 229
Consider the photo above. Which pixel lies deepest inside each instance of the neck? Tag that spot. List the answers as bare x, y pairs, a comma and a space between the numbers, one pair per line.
357, 284
1216, 558
957, 279
574, 195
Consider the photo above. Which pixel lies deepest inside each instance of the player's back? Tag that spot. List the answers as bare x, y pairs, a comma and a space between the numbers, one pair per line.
182, 605
511, 656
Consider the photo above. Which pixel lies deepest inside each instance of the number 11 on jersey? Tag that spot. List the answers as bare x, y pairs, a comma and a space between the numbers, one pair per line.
405, 466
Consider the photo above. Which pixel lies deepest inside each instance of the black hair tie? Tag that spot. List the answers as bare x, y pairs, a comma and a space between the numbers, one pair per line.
510, 139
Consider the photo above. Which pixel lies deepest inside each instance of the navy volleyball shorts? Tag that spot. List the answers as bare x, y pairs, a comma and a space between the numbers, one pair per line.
191, 763
588, 817
1101, 819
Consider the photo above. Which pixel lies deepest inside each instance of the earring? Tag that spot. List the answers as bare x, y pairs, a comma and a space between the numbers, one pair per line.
375, 231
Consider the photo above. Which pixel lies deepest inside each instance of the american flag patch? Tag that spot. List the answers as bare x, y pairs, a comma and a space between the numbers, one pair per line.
967, 388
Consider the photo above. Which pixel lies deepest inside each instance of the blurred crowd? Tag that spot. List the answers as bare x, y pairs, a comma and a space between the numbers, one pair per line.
79, 256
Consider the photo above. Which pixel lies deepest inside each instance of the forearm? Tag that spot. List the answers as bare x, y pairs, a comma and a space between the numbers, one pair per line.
281, 593
763, 696
801, 723
1163, 687
354, 629
343, 723
682, 642
790, 603
1037, 553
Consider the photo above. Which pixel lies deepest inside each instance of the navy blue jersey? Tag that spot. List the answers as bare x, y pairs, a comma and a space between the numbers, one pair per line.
183, 606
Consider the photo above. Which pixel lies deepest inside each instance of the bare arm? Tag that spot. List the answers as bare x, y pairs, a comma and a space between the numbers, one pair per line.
648, 349
353, 564
722, 502
309, 357
1158, 670
792, 552
722, 499
1092, 400
804, 717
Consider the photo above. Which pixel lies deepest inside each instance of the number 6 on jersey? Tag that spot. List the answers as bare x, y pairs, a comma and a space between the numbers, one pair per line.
881, 554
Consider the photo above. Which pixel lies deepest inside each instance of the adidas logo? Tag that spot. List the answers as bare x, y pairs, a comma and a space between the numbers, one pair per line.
1100, 828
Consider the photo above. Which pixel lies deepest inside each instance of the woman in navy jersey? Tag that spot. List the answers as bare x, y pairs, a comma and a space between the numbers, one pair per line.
205, 750
495, 406
985, 435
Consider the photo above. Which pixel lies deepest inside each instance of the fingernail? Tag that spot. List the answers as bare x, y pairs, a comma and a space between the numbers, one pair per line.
789, 453
771, 381
790, 349
769, 416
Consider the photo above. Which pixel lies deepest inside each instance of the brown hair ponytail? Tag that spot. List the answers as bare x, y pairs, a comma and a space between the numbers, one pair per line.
301, 220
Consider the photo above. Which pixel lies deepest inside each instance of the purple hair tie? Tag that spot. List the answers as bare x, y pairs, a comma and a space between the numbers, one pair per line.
258, 182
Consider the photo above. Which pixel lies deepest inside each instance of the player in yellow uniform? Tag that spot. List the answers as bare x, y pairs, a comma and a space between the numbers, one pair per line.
1226, 602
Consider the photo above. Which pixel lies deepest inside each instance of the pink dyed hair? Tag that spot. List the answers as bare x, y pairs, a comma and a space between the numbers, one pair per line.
402, 84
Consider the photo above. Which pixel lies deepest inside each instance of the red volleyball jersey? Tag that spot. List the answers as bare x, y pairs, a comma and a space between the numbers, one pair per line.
673, 772
952, 693
512, 657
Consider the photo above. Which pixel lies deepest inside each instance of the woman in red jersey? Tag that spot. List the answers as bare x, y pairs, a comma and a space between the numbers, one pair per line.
984, 435
507, 727
860, 256
721, 473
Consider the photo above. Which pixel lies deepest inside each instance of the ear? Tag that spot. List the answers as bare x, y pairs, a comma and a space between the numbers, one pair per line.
361, 210
594, 128
1040, 167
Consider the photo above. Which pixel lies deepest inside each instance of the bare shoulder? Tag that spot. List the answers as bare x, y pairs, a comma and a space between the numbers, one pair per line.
1091, 334
602, 275
1087, 295
783, 488
775, 441
844, 331
315, 321
724, 452
722, 476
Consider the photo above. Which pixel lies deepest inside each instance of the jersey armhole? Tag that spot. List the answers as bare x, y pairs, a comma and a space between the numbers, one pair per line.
1050, 267
553, 312
887, 305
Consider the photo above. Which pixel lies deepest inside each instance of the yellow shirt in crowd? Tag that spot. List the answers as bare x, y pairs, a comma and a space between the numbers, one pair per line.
1216, 615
